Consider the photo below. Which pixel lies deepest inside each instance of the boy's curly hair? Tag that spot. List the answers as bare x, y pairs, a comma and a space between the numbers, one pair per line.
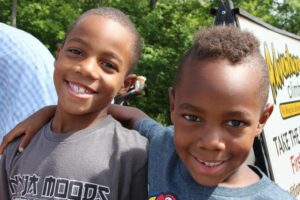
233, 44
224, 42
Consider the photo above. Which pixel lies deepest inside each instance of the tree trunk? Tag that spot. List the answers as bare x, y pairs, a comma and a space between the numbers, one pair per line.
14, 13
152, 4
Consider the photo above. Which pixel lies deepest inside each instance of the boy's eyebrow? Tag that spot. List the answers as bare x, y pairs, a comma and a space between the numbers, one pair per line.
106, 53
188, 106
78, 40
238, 113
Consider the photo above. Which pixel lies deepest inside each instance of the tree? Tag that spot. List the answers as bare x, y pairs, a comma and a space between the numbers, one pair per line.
288, 16
166, 28
167, 32
47, 20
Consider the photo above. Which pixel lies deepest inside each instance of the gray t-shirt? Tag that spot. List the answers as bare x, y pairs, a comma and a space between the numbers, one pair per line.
168, 178
104, 161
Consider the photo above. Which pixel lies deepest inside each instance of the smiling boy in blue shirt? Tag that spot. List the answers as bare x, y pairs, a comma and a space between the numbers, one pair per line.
218, 105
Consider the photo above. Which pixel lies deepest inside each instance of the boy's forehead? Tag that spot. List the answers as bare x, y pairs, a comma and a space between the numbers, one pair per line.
218, 79
218, 83
91, 20
196, 67
98, 27
219, 73
98, 24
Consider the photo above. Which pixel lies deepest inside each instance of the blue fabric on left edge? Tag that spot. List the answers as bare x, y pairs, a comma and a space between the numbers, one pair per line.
26, 77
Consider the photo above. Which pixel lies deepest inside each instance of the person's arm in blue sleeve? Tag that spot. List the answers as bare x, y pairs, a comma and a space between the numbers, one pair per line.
126, 115
134, 118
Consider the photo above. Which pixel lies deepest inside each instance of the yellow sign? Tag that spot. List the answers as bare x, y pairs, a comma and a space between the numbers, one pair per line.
290, 109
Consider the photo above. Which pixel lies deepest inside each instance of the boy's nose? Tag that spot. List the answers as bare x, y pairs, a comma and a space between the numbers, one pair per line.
212, 140
89, 67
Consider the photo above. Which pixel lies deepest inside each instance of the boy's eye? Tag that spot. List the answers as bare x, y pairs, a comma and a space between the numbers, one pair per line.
107, 64
193, 118
75, 51
236, 123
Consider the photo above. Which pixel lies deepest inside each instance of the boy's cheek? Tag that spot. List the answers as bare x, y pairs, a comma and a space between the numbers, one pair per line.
182, 138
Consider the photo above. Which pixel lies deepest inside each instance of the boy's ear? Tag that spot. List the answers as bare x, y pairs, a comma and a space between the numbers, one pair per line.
171, 100
58, 51
57, 54
128, 82
268, 109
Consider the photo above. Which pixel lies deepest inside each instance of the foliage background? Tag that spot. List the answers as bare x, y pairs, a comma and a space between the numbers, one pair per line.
166, 27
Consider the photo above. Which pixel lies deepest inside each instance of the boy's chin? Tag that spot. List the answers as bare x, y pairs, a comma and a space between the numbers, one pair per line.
209, 181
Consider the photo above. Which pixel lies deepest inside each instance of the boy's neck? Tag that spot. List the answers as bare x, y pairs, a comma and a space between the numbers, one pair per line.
67, 123
243, 177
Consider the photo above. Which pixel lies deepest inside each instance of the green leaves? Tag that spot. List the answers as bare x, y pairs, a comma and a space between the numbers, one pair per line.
167, 31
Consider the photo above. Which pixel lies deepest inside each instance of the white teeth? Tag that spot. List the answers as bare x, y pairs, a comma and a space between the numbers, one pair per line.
210, 164
78, 89
81, 90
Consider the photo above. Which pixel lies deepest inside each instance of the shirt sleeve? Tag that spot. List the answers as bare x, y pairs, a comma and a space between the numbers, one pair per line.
6, 163
4, 188
26, 79
148, 128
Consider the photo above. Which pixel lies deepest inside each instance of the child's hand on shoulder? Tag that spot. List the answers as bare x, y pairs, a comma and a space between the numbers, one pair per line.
29, 127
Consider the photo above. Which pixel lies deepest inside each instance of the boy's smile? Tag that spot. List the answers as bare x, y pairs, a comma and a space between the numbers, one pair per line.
79, 90
91, 68
216, 112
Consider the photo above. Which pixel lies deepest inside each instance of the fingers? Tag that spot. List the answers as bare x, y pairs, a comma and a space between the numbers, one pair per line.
29, 127
10, 136
25, 141
3, 145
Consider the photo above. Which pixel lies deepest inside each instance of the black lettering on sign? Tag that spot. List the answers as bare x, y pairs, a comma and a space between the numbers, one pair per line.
282, 143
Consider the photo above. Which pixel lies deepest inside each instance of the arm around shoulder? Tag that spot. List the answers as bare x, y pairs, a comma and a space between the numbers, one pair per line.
126, 115
29, 127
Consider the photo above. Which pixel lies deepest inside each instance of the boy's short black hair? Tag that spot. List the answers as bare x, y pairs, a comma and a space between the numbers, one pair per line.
118, 16
233, 44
